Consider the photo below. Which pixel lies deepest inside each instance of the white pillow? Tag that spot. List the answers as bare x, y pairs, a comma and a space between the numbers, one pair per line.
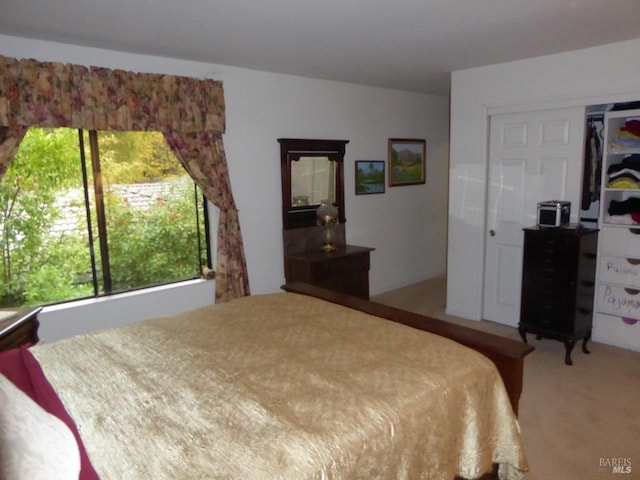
34, 444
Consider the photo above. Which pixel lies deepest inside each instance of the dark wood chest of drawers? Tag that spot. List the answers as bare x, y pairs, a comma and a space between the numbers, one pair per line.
345, 270
558, 281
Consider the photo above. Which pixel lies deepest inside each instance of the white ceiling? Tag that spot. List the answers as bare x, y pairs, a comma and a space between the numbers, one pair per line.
403, 44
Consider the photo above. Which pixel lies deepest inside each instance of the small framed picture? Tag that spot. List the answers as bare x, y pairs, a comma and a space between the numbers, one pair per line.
369, 177
407, 161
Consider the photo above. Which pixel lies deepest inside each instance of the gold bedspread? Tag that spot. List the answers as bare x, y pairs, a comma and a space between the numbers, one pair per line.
282, 386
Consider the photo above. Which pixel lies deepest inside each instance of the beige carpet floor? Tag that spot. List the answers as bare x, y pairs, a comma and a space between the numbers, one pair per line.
576, 421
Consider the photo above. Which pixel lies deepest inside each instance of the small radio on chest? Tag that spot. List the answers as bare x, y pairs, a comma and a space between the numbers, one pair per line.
553, 213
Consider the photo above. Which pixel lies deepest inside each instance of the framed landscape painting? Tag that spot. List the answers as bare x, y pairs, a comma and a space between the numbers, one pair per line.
369, 177
407, 161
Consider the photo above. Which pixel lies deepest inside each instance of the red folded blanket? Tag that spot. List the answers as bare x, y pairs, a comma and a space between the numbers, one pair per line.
22, 368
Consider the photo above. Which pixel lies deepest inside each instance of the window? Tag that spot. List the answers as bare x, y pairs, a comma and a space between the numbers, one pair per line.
91, 213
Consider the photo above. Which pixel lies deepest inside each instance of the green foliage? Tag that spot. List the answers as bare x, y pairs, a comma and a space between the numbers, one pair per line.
133, 157
147, 246
61, 271
153, 246
47, 162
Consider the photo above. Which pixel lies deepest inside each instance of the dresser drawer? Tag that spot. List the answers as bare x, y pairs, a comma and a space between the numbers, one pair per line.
543, 287
620, 270
548, 246
620, 241
549, 315
345, 270
340, 265
620, 301
549, 261
617, 331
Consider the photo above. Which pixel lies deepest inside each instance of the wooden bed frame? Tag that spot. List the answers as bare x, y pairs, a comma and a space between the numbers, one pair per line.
508, 355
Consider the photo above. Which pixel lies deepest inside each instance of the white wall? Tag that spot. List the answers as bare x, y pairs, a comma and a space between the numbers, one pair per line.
63, 320
605, 74
406, 225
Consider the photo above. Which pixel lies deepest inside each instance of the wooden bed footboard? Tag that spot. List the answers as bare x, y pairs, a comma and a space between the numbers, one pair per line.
508, 355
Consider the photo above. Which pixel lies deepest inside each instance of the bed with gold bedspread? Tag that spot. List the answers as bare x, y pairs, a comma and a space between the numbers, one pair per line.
283, 386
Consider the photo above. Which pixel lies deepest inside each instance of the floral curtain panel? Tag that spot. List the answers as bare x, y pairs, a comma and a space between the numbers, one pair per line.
188, 111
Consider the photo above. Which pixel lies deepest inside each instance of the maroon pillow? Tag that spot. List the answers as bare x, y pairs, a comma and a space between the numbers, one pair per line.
21, 367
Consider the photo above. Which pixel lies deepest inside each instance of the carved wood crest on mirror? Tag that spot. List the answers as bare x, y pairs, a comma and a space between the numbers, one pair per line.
312, 172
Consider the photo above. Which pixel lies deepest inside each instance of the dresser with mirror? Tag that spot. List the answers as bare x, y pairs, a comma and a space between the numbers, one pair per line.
313, 174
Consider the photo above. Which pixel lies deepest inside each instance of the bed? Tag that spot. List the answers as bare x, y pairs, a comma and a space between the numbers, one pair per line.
303, 384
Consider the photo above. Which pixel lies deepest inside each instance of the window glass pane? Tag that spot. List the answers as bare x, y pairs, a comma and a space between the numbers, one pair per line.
150, 213
43, 239
152, 232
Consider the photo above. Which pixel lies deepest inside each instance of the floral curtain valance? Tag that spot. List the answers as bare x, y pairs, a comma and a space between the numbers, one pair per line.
64, 95
188, 111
